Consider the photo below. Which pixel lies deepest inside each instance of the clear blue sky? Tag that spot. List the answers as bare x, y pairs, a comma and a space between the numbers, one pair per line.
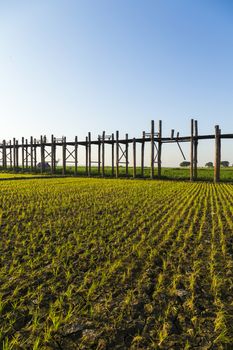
68, 67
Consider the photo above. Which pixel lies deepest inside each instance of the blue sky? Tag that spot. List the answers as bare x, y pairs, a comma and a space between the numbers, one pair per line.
68, 67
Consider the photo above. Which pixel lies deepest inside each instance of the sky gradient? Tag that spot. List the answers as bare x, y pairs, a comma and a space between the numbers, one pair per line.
68, 67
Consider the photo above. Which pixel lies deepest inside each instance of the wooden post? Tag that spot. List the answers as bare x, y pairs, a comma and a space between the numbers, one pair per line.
76, 156
10, 155
117, 154
4, 154
17, 155
31, 152
99, 154
35, 155
89, 156
191, 150
112, 154
42, 154
172, 133
142, 153
195, 149
217, 162
86, 147
52, 154
152, 148
26, 147
134, 157
126, 155
23, 153
103, 155
64, 155
14, 155
159, 148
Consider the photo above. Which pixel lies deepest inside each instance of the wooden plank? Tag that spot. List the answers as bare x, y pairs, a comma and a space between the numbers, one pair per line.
35, 156
26, 147
10, 154
17, 154
42, 154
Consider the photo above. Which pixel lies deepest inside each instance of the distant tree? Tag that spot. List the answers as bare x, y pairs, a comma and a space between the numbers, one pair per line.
184, 163
225, 163
209, 165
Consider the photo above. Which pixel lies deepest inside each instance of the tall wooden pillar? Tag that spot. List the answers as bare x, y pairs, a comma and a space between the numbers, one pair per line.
14, 155
17, 154
31, 152
86, 148
64, 156
23, 153
117, 154
217, 162
42, 154
143, 153
126, 155
191, 150
112, 154
152, 149
26, 148
76, 156
134, 158
35, 156
89, 154
10, 154
52, 154
160, 149
4, 162
195, 150
99, 154
103, 151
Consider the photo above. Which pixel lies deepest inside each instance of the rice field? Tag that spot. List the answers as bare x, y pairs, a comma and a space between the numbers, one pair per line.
115, 264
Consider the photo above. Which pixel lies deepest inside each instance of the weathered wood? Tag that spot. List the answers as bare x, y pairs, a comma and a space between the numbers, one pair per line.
17, 154
10, 154
152, 135
159, 148
42, 154
217, 161
89, 154
35, 156
64, 156
76, 156
126, 155
4, 163
195, 150
143, 153
14, 155
103, 152
26, 148
134, 158
86, 148
172, 133
99, 154
117, 154
31, 153
22, 153
191, 150
52, 154
112, 154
